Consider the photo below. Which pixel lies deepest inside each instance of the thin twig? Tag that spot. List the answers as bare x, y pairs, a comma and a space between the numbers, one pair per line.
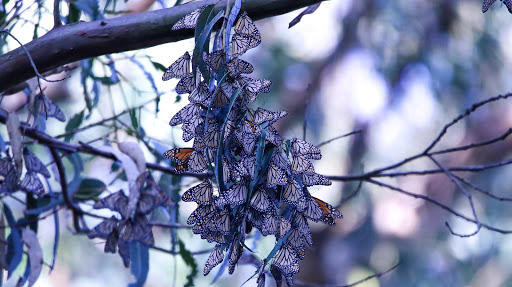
474, 187
468, 111
56, 14
435, 202
339, 137
31, 60
467, 194
377, 275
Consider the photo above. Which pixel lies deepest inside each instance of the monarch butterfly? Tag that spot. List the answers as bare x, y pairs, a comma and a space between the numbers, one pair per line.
270, 225
275, 176
187, 158
212, 134
319, 210
237, 194
201, 95
190, 129
104, 229
254, 87
300, 147
189, 21
292, 192
117, 201
295, 240
273, 136
147, 203
215, 258
179, 69
223, 222
284, 226
201, 193
246, 165
276, 273
300, 223
279, 160
300, 164
215, 59
262, 115
220, 99
215, 237
241, 43
10, 182
260, 200
33, 164
32, 183
234, 256
261, 280
246, 26
237, 66
188, 113
138, 230
248, 141
6, 165
48, 109
312, 178
286, 260
198, 215
186, 85
255, 218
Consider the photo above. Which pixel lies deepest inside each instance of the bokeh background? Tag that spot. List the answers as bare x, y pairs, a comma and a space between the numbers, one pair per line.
397, 70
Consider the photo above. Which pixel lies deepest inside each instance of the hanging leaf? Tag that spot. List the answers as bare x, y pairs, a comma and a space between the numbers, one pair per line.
132, 172
3, 243
308, 10
35, 255
139, 255
232, 17
190, 261
89, 189
73, 124
13, 130
14, 243
134, 151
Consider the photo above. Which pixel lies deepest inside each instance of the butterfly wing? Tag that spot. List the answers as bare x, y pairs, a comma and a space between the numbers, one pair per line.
179, 69
189, 21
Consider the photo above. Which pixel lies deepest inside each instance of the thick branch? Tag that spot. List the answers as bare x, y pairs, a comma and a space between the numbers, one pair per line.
84, 40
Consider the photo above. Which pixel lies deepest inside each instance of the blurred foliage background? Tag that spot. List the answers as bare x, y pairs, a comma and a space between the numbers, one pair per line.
397, 70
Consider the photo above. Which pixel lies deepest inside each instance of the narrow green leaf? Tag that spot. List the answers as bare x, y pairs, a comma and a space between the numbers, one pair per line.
73, 124
190, 261
158, 66
90, 188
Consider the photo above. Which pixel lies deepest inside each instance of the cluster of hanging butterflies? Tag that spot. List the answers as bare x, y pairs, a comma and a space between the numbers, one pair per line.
132, 226
488, 3
30, 182
256, 178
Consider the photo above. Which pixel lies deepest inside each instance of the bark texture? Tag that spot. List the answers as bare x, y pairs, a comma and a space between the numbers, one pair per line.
78, 41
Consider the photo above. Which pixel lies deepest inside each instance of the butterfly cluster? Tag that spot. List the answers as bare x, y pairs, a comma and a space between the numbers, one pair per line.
132, 226
30, 182
488, 3
257, 179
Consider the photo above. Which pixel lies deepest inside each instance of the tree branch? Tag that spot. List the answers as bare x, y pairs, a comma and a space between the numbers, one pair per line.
51, 142
84, 40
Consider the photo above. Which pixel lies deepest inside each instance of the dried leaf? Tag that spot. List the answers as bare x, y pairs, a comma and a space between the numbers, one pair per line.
308, 10
35, 254
134, 151
13, 129
132, 172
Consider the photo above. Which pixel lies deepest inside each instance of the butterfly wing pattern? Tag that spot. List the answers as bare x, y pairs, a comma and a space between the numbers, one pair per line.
254, 177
